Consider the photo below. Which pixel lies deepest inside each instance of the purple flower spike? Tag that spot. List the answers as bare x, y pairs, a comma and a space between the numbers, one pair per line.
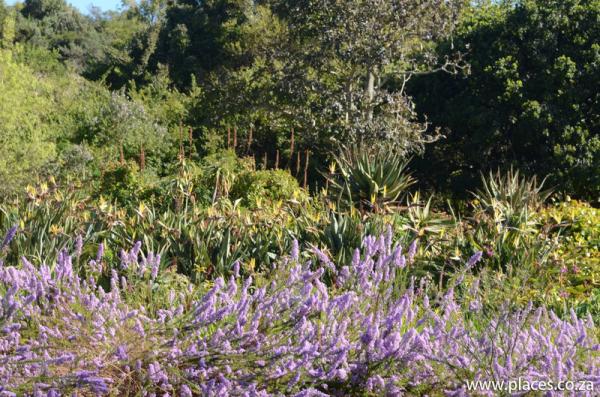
10, 235
185, 391
100, 253
412, 250
473, 260
297, 330
78, 246
295, 250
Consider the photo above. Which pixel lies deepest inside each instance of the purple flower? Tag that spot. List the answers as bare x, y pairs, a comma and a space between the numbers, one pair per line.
324, 259
368, 330
10, 235
473, 260
412, 250
100, 253
185, 391
295, 250
564, 270
78, 246
121, 353
155, 266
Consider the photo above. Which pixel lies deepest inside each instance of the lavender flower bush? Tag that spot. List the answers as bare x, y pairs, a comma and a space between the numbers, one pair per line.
369, 331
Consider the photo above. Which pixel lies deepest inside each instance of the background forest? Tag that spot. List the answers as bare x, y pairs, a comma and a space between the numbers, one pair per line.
298, 197
461, 87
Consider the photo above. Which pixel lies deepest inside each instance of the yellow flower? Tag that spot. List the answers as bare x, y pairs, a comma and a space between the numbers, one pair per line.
208, 284
31, 191
250, 265
102, 204
332, 168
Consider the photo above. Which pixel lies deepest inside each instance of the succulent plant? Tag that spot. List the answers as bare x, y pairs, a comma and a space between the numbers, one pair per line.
370, 178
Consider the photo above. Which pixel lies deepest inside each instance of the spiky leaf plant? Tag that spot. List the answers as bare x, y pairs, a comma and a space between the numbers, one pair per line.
370, 178
510, 198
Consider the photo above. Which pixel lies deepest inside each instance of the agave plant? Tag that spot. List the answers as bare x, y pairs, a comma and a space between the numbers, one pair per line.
370, 178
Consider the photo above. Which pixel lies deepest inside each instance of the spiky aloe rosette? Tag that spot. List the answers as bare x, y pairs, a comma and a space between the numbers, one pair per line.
370, 332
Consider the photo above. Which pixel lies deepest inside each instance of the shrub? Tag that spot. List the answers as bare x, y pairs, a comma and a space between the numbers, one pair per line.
573, 270
27, 135
252, 187
127, 184
122, 123
285, 334
221, 170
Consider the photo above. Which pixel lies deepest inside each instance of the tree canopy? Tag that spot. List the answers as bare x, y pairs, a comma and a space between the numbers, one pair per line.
531, 98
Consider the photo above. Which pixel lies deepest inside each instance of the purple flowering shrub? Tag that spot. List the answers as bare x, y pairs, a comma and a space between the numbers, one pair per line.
369, 331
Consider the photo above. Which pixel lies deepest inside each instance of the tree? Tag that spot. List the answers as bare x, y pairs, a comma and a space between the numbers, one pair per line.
7, 26
200, 37
123, 36
55, 25
333, 70
26, 136
531, 99
40, 9
348, 63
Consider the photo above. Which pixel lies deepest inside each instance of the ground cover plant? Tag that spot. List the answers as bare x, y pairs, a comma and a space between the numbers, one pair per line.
373, 331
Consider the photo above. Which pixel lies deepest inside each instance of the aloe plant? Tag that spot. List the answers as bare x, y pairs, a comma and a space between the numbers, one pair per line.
370, 178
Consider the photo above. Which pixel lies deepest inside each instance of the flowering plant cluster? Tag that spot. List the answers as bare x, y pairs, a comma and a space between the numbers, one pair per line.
308, 329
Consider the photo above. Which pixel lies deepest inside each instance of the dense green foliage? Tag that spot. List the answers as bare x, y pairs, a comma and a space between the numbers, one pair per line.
275, 185
223, 130
23, 132
54, 122
531, 98
496, 83
532, 251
